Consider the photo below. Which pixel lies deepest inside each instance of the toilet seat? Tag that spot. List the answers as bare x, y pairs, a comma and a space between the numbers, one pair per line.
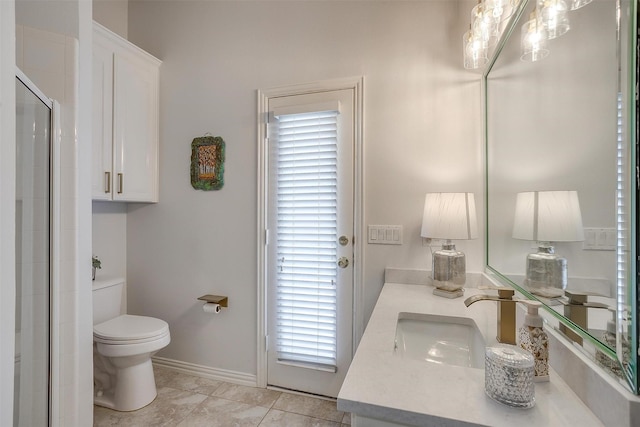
128, 329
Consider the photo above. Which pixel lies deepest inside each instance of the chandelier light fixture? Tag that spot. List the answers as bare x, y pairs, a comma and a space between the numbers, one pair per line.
549, 20
484, 31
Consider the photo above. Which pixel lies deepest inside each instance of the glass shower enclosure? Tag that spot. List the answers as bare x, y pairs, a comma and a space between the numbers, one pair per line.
32, 374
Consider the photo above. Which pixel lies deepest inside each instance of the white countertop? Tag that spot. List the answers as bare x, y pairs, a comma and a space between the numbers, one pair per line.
384, 386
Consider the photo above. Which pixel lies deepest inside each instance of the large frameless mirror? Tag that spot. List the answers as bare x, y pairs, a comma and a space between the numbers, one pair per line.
560, 134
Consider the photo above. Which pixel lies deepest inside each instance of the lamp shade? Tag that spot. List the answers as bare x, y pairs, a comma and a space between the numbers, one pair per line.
548, 216
450, 216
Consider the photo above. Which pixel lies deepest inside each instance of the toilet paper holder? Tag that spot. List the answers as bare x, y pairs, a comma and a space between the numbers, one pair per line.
216, 299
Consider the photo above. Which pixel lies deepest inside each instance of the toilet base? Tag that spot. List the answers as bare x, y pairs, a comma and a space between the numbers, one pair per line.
135, 387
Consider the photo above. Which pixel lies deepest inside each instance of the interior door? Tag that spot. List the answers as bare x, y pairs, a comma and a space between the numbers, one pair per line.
310, 243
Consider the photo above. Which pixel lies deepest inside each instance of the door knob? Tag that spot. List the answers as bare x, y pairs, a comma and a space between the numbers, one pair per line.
343, 262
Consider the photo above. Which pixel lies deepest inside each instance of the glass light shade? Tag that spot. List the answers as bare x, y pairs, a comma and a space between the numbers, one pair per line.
534, 41
474, 50
500, 10
558, 27
486, 31
553, 15
480, 13
577, 4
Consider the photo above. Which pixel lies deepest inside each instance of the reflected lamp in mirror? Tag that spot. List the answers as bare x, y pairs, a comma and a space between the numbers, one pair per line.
449, 216
546, 217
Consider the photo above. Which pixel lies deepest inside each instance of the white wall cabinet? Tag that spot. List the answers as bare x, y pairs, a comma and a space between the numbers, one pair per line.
125, 120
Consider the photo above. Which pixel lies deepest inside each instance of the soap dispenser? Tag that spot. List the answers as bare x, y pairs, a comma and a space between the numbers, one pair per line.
534, 339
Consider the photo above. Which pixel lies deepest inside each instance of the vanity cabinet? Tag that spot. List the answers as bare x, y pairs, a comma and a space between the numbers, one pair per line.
125, 120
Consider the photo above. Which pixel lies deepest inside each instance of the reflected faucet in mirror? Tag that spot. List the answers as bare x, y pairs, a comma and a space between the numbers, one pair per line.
575, 309
546, 217
449, 216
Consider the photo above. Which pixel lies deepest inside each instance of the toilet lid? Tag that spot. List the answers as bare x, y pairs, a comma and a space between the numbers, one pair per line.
130, 328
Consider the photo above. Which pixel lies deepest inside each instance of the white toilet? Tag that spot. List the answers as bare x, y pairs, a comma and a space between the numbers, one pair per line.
122, 350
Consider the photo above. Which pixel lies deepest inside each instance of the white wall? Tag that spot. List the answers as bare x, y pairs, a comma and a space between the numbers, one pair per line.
56, 16
422, 133
7, 208
113, 14
109, 237
79, 411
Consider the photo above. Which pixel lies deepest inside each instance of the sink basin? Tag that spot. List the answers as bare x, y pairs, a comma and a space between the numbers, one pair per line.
444, 340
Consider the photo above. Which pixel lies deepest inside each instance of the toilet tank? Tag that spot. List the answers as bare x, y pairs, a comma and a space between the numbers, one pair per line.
109, 299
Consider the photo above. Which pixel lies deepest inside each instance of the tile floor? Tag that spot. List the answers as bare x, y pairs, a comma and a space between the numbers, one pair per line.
189, 401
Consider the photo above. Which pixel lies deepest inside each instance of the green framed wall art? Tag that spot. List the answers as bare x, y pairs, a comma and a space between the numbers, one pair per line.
207, 163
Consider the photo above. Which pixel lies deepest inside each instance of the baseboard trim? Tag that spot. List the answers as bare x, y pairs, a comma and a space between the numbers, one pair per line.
301, 393
234, 377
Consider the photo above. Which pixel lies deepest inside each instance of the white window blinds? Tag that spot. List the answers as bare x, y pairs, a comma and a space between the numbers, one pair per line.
306, 236
623, 216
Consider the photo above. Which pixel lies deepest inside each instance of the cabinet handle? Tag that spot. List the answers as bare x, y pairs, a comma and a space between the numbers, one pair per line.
119, 183
107, 182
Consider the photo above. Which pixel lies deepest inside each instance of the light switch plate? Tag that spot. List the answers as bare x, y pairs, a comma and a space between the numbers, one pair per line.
599, 239
384, 234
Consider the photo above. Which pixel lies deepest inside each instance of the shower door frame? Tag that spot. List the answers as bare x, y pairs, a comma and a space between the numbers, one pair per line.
54, 246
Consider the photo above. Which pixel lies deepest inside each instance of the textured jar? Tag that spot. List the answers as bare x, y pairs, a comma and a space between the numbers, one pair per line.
508, 376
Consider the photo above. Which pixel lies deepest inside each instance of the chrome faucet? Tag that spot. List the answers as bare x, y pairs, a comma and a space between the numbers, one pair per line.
506, 313
575, 309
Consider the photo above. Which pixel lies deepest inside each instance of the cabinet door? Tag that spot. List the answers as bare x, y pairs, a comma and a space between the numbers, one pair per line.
135, 129
102, 162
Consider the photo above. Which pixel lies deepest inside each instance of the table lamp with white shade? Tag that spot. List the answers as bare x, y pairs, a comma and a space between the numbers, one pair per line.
546, 217
449, 216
